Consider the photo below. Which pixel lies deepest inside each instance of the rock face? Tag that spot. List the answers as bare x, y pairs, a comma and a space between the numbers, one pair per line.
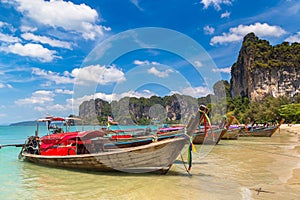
140, 110
88, 109
93, 108
262, 69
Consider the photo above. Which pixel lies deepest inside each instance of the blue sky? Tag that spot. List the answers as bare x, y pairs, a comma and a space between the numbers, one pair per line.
46, 48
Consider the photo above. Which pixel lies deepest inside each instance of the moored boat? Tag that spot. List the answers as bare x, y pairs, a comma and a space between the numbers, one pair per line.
154, 156
231, 134
92, 150
233, 130
212, 137
200, 137
260, 131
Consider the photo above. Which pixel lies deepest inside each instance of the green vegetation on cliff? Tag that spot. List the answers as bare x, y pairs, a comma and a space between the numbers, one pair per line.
269, 109
138, 110
262, 69
267, 56
130, 110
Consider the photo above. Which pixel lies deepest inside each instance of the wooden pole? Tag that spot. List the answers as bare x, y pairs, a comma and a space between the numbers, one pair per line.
11, 145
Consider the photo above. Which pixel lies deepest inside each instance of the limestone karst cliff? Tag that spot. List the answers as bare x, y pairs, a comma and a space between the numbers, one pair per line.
262, 69
140, 110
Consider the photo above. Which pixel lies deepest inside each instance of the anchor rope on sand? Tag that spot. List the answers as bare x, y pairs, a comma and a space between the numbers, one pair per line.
259, 190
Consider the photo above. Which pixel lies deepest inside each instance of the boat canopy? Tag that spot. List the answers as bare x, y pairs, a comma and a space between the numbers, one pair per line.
57, 119
50, 119
67, 138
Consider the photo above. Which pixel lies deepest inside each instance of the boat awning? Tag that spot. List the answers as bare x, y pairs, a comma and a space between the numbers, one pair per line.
47, 119
60, 138
72, 118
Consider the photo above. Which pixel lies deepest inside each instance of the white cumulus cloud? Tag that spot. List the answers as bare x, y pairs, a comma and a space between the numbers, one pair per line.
98, 74
46, 40
63, 91
9, 38
154, 70
56, 77
223, 70
293, 38
7, 26
208, 30
198, 63
160, 73
38, 97
30, 50
78, 18
145, 62
236, 34
215, 3
24, 28
195, 91
5, 85
225, 14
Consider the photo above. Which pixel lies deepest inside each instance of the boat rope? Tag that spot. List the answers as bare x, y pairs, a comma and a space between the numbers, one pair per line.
186, 169
20, 156
190, 158
190, 148
205, 127
205, 121
258, 190
189, 138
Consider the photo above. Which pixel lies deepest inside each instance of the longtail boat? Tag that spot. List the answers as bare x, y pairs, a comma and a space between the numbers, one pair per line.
231, 134
232, 131
260, 131
213, 137
91, 150
200, 137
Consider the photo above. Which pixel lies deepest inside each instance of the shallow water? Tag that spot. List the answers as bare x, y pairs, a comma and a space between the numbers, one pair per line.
232, 170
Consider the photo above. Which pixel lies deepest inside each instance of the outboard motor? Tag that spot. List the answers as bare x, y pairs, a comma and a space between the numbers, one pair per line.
31, 145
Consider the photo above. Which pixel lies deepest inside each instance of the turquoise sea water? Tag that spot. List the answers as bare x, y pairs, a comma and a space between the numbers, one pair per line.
18, 179
232, 170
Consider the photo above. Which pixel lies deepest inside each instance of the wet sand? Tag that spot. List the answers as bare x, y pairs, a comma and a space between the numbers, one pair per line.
249, 165
295, 177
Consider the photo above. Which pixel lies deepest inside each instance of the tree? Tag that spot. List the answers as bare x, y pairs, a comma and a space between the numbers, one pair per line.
290, 112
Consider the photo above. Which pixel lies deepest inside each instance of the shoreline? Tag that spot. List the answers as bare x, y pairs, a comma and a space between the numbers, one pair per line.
294, 128
293, 179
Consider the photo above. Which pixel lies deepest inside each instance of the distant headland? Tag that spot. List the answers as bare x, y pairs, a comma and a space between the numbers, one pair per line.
24, 123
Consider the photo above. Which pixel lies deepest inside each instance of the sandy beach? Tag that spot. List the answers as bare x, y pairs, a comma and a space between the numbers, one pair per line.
292, 128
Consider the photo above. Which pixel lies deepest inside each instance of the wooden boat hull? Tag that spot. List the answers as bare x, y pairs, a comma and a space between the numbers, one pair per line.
157, 156
210, 139
264, 132
232, 134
